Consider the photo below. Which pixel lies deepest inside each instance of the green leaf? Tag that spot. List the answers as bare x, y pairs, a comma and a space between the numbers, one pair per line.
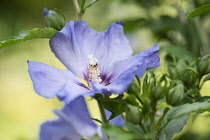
117, 133
36, 33
97, 120
134, 128
204, 99
162, 136
114, 105
186, 109
199, 11
175, 126
192, 91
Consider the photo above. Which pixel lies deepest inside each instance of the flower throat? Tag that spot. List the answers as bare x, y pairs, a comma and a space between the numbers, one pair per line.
93, 70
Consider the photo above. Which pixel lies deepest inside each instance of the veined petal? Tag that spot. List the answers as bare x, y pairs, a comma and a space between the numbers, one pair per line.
149, 56
65, 47
76, 41
58, 130
76, 113
117, 48
122, 82
50, 82
73, 123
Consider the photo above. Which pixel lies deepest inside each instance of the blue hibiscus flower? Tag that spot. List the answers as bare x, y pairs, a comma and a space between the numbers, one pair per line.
103, 59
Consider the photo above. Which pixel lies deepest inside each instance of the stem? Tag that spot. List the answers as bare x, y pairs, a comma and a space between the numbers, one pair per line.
152, 115
103, 114
152, 118
76, 5
142, 126
162, 117
91, 3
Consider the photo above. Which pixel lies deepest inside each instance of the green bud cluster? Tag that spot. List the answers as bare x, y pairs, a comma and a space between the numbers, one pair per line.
176, 69
158, 88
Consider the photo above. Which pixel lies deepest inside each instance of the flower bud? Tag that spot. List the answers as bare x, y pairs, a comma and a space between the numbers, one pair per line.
54, 19
172, 71
135, 86
159, 92
131, 99
204, 65
175, 95
133, 114
180, 66
190, 76
176, 70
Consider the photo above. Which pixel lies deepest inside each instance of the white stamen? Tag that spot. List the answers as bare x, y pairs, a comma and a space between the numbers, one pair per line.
93, 71
93, 61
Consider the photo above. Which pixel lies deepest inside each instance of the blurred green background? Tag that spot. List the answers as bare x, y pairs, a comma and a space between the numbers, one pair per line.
147, 22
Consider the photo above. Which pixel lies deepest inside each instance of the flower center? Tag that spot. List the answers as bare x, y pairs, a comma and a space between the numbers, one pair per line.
93, 70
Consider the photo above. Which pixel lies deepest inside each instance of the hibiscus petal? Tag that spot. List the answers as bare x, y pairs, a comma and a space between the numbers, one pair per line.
116, 121
76, 113
76, 41
150, 56
68, 52
122, 82
50, 82
73, 123
58, 130
117, 47
105, 45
